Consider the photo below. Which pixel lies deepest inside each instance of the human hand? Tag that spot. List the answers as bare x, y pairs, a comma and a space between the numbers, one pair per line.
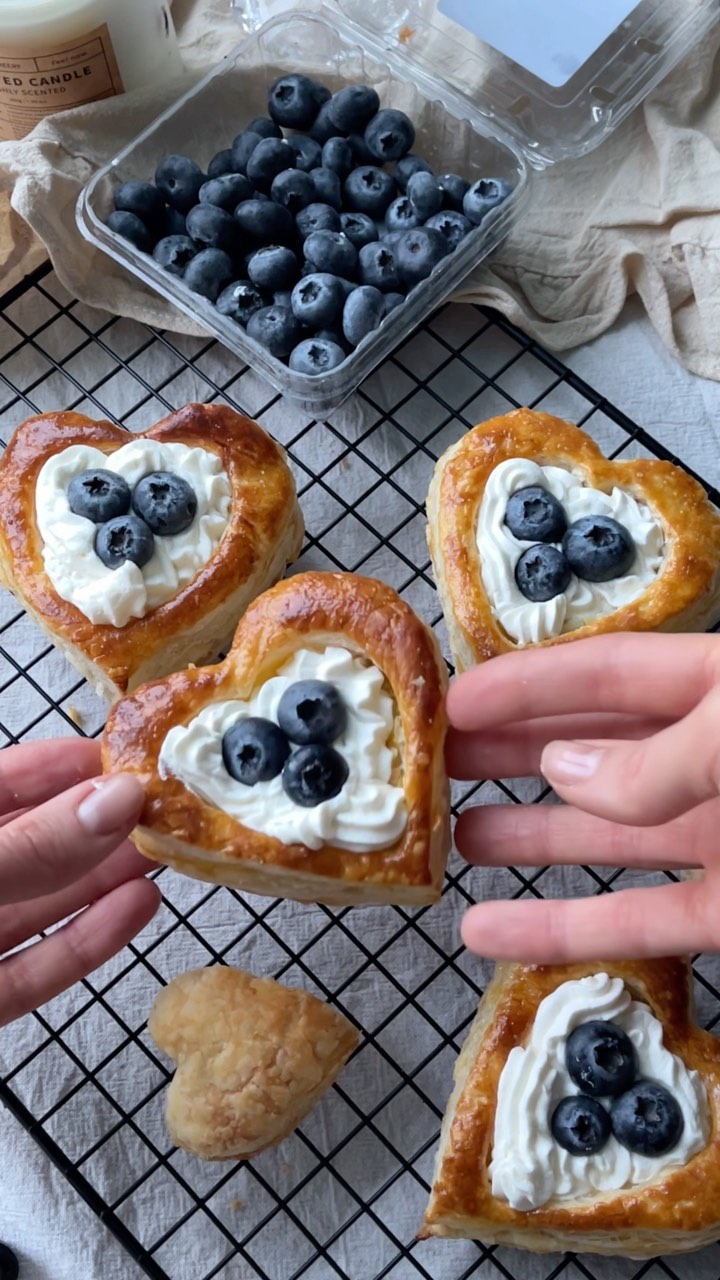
62, 849
626, 729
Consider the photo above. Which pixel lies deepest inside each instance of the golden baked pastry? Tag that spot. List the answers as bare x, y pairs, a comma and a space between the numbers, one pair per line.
497, 1145
257, 530
253, 1058
673, 583
383, 837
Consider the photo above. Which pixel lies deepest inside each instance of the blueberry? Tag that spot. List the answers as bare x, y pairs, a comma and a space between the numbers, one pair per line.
99, 495
390, 135
211, 228
370, 190
323, 127
600, 1059
318, 300
265, 222
283, 298
179, 181
331, 251
317, 217
144, 200
173, 222
124, 538
407, 166
242, 149
598, 549
227, 192
401, 216
273, 268
328, 189
209, 273
454, 189
392, 301
417, 254
363, 312
483, 196
292, 102
647, 1119
360, 149
580, 1126
293, 189
337, 155
240, 301
131, 228
352, 107
316, 355
348, 286
166, 502
534, 515
453, 226
425, 195
377, 267
313, 774
308, 152
174, 253
221, 164
264, 128
391, 239
334, 336
542, 572
276, 329
359, 228
9, 1265
270, 157
254, 750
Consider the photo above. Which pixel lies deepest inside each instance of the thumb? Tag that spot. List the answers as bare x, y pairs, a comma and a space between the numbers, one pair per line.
642, 783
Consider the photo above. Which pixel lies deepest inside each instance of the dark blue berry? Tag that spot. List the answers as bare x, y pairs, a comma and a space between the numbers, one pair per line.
174, 253
360, 149
313, 774
294, 189
209, 272
131, 228
392, 301
166, 502
647, 1119
273, 268
352, 107
534, 515
363, 312
99, 495
242, 149
323, 127
144, 200
337, 155
331, 251
315, 356
407, 166
317, 217
334, 336
292, 102
390, 135
391, 239
308, 152
600, 1059
454, 189
453, 226
598, 548
221, 164
425, 195
318, 300
270, 157
401, 216
580, 1126
264, 128
417, 253
227, 191
328, 189
254, 750
483, 196
9, 1265
370, 190
240, 301
276, 329
282, 298
179, 180
542, 572
359, 227
173, 222
377, 267
124, 538
211, 228
265, 222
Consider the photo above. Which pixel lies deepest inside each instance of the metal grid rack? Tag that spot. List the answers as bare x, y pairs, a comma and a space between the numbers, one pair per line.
343, 1196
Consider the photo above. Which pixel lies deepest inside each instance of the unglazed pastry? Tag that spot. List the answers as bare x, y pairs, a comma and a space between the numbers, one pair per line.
672, 583
502, 1176
122, 626
253, 1058
376, 830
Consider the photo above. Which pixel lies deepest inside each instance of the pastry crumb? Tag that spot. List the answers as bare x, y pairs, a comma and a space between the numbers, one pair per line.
285, 1170
405, 34
75, 716
237, 1204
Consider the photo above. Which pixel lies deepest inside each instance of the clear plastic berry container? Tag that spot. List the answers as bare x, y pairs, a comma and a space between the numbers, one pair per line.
477, 111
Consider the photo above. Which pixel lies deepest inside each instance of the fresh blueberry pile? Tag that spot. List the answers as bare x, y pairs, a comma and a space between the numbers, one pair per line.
312, 227
311, 716
160, 505
642, 1115
595, 548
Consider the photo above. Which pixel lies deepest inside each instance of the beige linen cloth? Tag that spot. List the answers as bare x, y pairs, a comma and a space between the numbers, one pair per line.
641, 214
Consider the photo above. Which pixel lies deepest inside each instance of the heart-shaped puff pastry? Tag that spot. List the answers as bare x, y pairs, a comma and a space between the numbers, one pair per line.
674, 1210
263, 534
253, 1057
470, 546
366, 623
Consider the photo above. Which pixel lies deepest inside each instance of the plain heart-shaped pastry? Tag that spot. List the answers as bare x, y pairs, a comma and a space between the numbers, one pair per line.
502, 1177
122, 626
381, 835
253, 1057
671, 584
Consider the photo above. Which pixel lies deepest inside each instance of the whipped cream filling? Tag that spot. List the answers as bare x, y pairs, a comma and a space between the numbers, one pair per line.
368, 814
528, 1167
114, 596
526, 621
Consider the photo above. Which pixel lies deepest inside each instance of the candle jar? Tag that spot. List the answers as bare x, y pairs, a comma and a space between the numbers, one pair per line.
57, 54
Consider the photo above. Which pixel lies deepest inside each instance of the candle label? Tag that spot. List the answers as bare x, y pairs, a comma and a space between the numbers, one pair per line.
35, 85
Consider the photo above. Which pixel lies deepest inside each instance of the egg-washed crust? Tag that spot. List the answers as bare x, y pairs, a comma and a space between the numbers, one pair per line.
310, 610
677, 1213
684, 597
263, 535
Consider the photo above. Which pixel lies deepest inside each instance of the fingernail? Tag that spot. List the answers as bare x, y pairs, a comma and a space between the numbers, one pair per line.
568, 762
113, 803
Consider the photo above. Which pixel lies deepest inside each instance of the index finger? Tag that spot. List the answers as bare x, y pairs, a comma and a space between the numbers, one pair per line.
34, 772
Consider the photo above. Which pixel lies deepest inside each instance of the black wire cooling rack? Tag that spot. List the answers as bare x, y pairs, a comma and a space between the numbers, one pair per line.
344, 1196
